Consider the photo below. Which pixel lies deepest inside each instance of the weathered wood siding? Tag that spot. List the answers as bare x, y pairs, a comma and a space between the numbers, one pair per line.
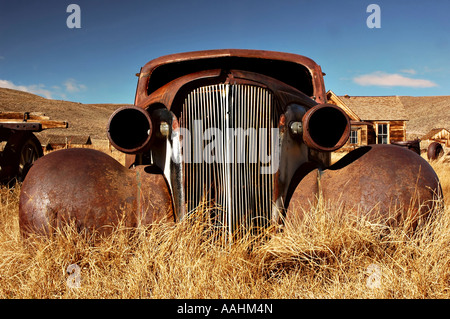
367, 134
442, 135
397, 131
371, 135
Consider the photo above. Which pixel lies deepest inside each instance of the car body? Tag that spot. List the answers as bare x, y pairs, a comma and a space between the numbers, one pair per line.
233, 132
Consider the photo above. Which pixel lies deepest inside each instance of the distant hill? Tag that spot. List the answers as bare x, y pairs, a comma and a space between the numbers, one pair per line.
424, 112
84, 119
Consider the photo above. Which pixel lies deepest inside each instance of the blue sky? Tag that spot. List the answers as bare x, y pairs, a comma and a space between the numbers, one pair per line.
408, 55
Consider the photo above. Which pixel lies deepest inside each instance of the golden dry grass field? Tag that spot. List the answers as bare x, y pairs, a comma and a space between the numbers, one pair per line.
325, 257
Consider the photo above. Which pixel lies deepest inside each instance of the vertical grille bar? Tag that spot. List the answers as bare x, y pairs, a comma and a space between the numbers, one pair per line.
232, 184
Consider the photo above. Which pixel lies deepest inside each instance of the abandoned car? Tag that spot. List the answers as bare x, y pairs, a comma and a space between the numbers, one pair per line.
246, 134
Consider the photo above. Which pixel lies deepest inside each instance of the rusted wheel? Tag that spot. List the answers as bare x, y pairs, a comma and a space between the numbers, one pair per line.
434, 151
30, 151
19, 155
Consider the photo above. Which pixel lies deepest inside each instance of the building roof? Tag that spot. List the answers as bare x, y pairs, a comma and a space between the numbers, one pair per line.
427, 112
422, 112
433, 132
376, 108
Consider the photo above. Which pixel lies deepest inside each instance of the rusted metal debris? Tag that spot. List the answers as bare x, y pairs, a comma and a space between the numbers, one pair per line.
413, 145
434, 151
226, 91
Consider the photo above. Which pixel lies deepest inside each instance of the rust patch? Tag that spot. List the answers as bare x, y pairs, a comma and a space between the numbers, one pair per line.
376, 181
91, 189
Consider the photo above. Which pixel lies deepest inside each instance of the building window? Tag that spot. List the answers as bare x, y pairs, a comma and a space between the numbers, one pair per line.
354, 137
382, 134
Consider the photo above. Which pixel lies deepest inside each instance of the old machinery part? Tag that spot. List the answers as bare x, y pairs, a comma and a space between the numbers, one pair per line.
413, 145
21, 150
130, 130
325, 127
296, 128
434, 151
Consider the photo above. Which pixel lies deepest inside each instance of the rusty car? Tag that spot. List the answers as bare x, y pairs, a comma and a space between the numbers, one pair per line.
246, 134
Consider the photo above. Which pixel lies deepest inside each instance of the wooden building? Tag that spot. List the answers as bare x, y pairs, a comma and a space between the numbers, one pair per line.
441, 135
53, 142
374, 119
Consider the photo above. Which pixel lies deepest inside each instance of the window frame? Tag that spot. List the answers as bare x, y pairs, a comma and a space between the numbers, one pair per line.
382, 135
354, 134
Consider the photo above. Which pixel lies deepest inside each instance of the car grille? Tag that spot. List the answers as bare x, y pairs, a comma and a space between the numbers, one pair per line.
226, 145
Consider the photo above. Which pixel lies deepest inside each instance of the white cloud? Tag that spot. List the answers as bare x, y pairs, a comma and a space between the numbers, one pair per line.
72, 86
55, 91
385, 79
34, 88
409, 71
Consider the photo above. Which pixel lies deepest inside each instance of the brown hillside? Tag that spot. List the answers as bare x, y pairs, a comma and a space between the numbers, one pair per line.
426, 113
84, 119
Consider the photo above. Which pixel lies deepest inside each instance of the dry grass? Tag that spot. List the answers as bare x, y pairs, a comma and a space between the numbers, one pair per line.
327, 256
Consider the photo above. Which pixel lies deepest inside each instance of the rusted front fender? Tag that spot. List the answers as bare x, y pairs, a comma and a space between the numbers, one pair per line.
382, 182
93, 190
